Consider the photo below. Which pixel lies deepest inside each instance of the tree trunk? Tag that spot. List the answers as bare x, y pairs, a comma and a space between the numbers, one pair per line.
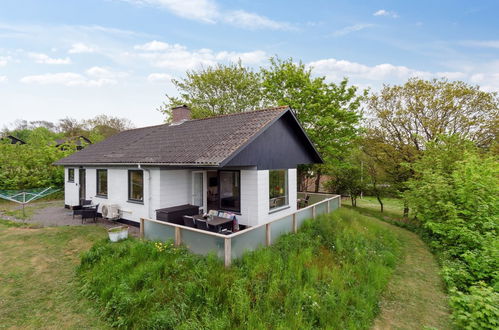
380, 202
354, 200
406, 210
378, 196
317, 181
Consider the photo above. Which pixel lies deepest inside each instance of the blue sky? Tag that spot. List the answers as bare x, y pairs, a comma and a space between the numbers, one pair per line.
83, 58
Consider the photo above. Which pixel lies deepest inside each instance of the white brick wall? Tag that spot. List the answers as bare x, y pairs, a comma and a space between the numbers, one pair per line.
249, 198
264, 214
173, 187
117, 191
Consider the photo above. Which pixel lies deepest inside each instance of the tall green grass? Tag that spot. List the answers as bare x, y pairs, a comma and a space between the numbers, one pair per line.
330, 274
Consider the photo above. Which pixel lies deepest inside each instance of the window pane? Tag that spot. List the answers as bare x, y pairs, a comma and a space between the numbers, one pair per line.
230, 198
71, 174
136, 185
278, 188
102, 182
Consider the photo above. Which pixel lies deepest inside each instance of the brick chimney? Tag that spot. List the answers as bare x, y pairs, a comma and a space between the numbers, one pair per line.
181, 114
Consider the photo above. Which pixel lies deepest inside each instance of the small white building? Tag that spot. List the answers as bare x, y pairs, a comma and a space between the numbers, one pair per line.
243, 163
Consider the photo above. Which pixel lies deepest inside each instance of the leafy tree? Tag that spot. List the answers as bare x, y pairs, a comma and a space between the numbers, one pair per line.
217, 90
71, 127
403, 119
25, 166
330, 113
103, 126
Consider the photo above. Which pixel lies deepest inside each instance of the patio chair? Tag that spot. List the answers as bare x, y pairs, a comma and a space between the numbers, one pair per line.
189, 221
89, 213
77, 209
200, 224
303, 202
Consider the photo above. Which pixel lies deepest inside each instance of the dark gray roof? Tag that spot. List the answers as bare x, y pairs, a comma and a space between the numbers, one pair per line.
201, 142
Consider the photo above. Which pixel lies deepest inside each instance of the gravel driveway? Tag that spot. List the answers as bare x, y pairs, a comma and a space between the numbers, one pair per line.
54, 214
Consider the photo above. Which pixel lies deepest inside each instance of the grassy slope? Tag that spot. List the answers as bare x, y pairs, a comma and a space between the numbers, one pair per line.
415, 295
37, 283
329, 275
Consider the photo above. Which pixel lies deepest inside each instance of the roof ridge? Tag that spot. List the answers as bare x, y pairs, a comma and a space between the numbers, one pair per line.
283, 107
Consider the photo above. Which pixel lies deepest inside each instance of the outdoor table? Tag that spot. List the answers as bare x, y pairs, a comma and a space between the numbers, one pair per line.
215, 222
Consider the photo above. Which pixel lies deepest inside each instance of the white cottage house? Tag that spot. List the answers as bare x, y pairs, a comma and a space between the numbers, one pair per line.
244, 163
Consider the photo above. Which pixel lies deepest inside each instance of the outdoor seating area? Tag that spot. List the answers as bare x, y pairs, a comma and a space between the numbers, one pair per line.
86, 210
218, 232
214, 221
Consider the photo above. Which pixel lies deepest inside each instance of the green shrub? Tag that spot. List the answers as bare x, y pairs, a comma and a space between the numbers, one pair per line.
329, 274
455, 196
478, 309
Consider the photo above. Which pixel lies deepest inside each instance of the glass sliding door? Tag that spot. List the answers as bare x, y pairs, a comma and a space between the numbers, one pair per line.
230, 190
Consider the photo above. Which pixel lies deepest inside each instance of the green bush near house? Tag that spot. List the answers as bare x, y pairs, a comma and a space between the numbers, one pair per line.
455, 196
330, 274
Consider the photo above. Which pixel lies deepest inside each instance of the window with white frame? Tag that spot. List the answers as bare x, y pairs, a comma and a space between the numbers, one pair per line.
102, 183
278, 189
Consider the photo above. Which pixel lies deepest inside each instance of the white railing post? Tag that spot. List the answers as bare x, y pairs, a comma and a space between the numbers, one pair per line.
328, 208
313, 211
267, 234
141, 233
295, 225
178, 237
227, 251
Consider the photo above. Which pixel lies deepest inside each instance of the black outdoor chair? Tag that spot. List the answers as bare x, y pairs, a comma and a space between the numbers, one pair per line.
89, 213
77, 209
304, 202
189, 221
200, 224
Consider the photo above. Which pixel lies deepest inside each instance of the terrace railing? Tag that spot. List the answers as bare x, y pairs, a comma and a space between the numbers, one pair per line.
233, 246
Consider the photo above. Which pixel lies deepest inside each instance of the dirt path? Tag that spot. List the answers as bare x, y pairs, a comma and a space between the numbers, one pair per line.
415, 297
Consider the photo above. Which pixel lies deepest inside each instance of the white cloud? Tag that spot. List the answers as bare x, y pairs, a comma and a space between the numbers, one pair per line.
208, 11
253, 21
335, 69
3, 79
4, 60
179, 58
488, 81
155, 77
349, 29
66, 79
383, 12
78, 48
481, 43
45, 59
156, 46
199, 10
103, 72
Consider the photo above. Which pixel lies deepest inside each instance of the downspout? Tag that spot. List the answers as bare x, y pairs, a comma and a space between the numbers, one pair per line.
149, 196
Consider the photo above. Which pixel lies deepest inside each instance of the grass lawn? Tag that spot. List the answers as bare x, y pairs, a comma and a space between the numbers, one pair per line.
415, 297
37, 277
393, 207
